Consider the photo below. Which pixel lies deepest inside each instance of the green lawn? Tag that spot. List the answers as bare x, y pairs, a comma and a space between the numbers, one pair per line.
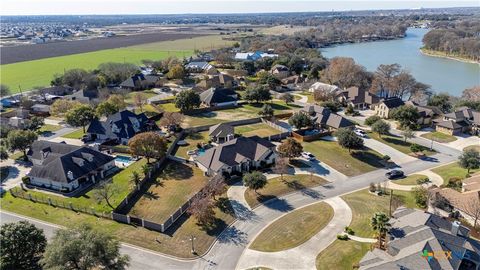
169, 107
176, 184
358, 162
47, 128
16, 155
410, 180
277, 188
293, 229
452, 170
88, 201
77, 134
439, 137
202, 120
192, 140
398, 143
259, 129
342, 255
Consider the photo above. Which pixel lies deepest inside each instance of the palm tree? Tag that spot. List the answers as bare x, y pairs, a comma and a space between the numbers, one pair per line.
135, 180
379, 223
146, 170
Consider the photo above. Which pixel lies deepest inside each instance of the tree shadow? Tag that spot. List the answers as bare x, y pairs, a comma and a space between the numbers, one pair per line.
234, 236
195, 136
242, 212
151, 195
277, 204
8, 173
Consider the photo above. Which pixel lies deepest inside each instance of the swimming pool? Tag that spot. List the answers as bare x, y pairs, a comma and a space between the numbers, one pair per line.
200, 152
124, 160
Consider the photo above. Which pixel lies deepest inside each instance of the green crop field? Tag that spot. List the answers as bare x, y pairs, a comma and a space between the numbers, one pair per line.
26, 75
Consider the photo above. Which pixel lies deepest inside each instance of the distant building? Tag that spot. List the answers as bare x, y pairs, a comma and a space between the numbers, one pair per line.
280, 71
253, 56
328, 88
323, 118
40, 109
140, 82
385, 107
201, 67
461, 121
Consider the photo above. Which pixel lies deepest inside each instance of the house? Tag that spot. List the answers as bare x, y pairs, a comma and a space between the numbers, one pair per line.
58, 90
279, 71
121, 127
451, 200
420, 240
201, 67
140, 82
219, 80
85, 96
385, 107
358, 98
40, 109
471, 184
323, 87
217, 97
239, 155
324, 118
221, 133
63, 167
463, 120
253, 56
292, 82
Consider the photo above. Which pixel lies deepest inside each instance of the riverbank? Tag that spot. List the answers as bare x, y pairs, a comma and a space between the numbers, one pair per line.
447, 56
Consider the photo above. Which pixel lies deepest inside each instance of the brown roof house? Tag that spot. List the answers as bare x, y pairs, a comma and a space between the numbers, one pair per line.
280, 71
463, 120
427, 113
221, 133
324, 118
219, 80
385, 107
421, 240
359, 98
140, 82
466, 203
236, 156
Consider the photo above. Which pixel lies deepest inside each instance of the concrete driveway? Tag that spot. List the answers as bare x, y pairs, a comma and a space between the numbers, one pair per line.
304, 255
395, 155
16, 170
464, 141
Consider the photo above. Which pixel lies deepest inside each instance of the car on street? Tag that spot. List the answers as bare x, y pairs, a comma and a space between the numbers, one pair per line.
308, 156
393, 174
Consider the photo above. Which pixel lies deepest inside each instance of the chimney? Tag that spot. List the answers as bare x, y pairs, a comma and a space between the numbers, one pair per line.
70, 175
456, 227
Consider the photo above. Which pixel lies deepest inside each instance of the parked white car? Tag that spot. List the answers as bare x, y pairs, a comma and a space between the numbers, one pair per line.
360, 133
308, 156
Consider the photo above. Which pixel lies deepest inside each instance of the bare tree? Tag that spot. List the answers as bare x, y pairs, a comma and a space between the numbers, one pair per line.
281, 167
139, 99
471, 207
202, 209
172, 119
216, 186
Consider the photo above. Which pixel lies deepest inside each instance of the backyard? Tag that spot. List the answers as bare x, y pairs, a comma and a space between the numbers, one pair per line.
358, 162
399, 144
452, 170
88, 201
77, 134
439, 137
293, 229
47, 129
192, 139
176, 184
276, 187
259, 129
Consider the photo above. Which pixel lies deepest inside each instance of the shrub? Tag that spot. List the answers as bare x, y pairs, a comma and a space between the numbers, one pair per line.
422, 181
372, 119
455, 183
26, 180
421, 196
349, 230
343, 237
372, 187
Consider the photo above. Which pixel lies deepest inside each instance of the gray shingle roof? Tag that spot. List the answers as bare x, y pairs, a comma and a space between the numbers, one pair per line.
221, 130
215, 95
124, 121
393, 102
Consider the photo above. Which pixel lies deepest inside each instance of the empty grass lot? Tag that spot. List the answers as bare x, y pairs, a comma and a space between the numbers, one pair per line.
452, 170
358, 162
277, 188
293, 229
172, 188
364, 205
77, 134
88, 201
174, 242
341, 255
259, 129
192, 139
439, 137
399, 144
410, 180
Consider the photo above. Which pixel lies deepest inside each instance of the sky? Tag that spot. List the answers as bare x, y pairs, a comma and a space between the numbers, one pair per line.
75, 7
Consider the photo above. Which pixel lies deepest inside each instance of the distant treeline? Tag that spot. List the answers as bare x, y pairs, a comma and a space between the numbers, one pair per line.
458, 38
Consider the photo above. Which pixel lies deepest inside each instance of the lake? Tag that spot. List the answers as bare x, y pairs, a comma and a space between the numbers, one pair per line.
444, 75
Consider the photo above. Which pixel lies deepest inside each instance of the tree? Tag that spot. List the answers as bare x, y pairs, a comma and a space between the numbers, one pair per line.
381, 128
105, 191
75, 78
420, 194
407, 116
201, 209
21, 140
348, 139
116, 73
106, 108
80, 116
216, 186
380, 223
331, 105
281, 167
61, 106
3, 153
407, 134
35, 123
176, 72
350, 110
442, 101
268, 79
300, 120
84, 247
139, 99
290, 148
171, 119
257, 94
254, 180
146, 170
187, 100
471, 207
4, 90
118, 100
266, 111
469, 159
21, 246
287, 97
372, 119
148, 144
344, 73
135, 179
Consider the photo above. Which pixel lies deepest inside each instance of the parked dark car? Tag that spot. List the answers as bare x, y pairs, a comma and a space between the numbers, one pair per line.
394, 174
